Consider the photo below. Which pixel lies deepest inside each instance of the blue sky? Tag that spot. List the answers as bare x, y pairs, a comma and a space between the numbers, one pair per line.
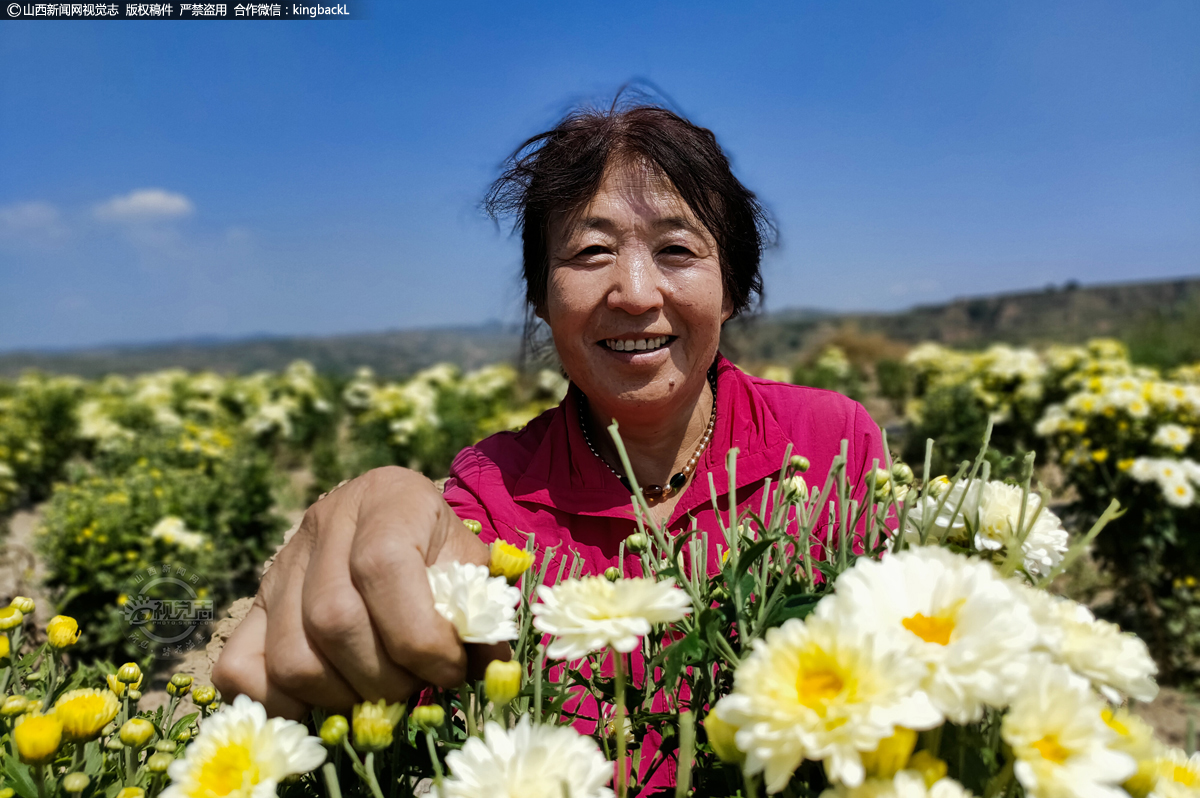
167, 180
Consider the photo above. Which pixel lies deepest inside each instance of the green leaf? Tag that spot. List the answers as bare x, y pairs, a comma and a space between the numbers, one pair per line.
182, 724
795, 606
688, 650
17, 776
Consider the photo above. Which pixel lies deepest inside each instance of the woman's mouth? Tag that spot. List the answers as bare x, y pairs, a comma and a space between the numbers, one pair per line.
637, 344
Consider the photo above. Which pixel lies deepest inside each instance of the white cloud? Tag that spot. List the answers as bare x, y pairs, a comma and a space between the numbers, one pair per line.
145, 204
34, 221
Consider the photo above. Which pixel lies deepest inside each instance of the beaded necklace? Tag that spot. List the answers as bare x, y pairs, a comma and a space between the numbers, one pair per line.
680, 478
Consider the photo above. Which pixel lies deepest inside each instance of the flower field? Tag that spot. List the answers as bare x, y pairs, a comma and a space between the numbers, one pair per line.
941, 660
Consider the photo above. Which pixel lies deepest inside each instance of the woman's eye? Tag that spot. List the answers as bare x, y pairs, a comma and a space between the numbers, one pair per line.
591, 251
677, 250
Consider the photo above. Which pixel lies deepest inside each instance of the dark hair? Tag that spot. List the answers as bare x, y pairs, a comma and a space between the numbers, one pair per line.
557, 172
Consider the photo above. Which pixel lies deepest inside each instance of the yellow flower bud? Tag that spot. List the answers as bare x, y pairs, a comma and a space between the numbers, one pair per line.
883, 483
203, 695
24, 604
892, 754
473, 525
929, 766
502, 681
637, 543
14, 705
183, 735
62, 631
132, 792
137, 732
334, 730
179, 685
612, 573
799, 462
7, 792
373, 724
75, 782
428, 716
38, 738
10, 618
721, 738
5, 646
939, 485
84, 713
158, 763
508, 561
130, 673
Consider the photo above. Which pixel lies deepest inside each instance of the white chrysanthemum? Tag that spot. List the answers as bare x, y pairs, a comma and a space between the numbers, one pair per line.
1172, 436
1177, 775
1167, 471
591, 614
172, 531
1095, 649
989, 513
1063, 747
1136, 738
1178, 493
823, 690
956, 615
905, 784
480, 606
1144, 469
528, 761
1191, 470
242, 754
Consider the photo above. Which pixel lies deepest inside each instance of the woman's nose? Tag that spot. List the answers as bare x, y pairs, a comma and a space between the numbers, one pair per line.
636, 289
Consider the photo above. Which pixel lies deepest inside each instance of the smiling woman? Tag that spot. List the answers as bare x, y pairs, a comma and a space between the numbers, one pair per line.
639, 245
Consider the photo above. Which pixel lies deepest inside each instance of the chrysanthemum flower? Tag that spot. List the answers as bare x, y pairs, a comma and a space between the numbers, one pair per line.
1136, 738
480, 606
1178, 492
1172, 436
374, 723
38, 738
84, 713
1063, 747
528, 761
905, 784
823, 690
1178, 775
1116, 662
591, 614
508, 561
954, 613
242, 754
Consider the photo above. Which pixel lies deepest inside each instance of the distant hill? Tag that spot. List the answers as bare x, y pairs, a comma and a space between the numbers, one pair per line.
1159, 320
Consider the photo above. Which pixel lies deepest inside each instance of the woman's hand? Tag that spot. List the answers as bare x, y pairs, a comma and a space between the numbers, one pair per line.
345, 613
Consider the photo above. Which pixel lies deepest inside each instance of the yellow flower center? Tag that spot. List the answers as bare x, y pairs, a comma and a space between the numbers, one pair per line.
816, 688
1186, 776
936, 628
1114, 724
230, 769
1051, 749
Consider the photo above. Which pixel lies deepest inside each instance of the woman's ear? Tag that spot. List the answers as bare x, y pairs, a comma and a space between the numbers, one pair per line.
726, 308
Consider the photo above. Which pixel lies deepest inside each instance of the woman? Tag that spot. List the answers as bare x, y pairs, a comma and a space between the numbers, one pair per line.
639, 244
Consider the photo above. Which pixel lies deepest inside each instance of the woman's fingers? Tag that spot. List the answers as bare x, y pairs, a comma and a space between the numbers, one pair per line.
241, 669
396, 540
335, 617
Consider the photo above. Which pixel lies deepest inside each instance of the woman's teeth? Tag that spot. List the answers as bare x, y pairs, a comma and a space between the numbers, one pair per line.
640, 345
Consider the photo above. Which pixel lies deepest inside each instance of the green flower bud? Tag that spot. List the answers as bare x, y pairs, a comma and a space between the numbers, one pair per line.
184, 735
428, 717
203, 695
473, 525
135, 695
637, 543
24, 604
502, 681
799, 462
114, 744
166, 746
158, 763
14, 705
902, 474
7, 792
179, 685
137, 732
75, 782
612, 573
334, 730
129, 673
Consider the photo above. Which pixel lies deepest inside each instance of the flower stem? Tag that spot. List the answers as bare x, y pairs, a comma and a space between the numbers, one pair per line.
39, 775
619, 680
437, 763
369, 772
331, 780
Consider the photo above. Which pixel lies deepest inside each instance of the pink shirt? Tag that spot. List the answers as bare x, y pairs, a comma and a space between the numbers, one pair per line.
545, 481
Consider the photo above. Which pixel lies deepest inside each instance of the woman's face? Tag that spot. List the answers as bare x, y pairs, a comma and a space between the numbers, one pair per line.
635, 298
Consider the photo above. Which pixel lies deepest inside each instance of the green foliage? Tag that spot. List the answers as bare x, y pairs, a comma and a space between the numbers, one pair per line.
37, 435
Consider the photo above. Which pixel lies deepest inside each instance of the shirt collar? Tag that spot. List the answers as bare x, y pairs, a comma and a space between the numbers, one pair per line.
564, 474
